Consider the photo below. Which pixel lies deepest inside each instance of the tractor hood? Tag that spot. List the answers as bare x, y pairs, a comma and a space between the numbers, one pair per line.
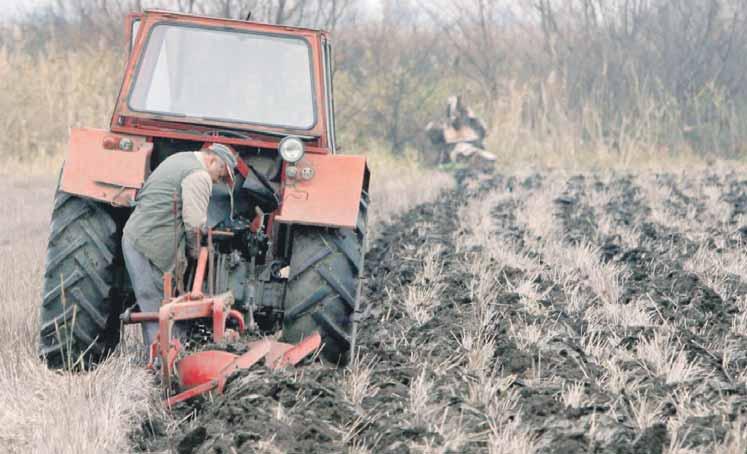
223, 73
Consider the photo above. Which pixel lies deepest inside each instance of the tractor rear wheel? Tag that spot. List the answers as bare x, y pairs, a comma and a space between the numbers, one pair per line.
78, 319
322, 285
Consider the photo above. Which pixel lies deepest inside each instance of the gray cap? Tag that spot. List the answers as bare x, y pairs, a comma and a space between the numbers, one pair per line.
226, 155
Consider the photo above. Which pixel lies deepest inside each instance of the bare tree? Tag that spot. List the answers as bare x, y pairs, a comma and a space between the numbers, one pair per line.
311, 13
72, 23
614, 52
399, 63
476, 31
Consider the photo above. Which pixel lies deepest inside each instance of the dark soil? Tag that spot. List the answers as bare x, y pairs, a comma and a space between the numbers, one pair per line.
304, 410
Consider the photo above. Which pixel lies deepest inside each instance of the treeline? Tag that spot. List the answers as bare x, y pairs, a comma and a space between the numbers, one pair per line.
548, 76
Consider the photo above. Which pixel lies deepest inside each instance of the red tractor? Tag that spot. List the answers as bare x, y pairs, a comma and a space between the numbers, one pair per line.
286, 243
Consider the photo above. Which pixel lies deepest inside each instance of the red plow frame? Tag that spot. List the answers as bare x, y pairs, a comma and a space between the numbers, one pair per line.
208, 370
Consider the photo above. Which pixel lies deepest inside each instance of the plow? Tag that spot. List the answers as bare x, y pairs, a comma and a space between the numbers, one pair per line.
191, 375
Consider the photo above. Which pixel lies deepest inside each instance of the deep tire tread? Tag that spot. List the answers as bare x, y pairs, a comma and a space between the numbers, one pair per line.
321, 288
332, 280
350, 248
320, 294
83, 247
311, 261
101, 248
102, 287
55, 261
49, 326
90, 309
332, 328
60, 225
55, 294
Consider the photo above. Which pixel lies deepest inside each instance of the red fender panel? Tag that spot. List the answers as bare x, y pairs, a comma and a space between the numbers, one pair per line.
96, 167
331, 198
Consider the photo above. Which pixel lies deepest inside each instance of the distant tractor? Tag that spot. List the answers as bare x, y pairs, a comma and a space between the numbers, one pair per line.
285, 243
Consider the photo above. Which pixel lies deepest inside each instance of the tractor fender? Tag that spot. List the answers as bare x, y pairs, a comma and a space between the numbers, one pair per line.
331, 197
105, 166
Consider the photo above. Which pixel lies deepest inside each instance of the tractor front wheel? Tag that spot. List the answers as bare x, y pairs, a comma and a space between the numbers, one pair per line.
78, 324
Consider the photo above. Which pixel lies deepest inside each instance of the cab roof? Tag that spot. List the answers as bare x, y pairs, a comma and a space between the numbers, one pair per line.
172, 14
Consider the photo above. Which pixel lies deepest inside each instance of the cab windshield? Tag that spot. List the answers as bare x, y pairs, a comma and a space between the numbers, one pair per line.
225, 75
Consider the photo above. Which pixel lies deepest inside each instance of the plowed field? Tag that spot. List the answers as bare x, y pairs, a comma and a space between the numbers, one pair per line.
536, 313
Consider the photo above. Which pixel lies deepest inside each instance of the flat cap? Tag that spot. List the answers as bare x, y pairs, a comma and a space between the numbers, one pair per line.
227, 156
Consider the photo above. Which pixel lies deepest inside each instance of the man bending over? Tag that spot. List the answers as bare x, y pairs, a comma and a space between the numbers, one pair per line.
149, 245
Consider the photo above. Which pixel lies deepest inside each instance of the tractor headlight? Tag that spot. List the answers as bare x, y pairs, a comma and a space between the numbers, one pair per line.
291, 149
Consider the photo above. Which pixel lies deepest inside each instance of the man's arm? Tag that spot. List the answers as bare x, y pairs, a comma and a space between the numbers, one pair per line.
196, 190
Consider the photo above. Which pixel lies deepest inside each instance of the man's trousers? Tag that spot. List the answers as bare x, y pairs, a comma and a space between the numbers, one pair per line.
147, 282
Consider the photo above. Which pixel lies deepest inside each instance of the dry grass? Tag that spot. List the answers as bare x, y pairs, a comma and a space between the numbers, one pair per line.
532, 126
392, 183
42, 97
356, 382
573, 395
537, 213
617, 315
47, 411
644, 410
424, 294
662, 357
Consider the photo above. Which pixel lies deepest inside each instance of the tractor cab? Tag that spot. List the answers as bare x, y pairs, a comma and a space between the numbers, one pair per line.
267, 80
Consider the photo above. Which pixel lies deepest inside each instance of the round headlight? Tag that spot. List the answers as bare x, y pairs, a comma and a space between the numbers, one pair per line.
291, 149
125, 144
